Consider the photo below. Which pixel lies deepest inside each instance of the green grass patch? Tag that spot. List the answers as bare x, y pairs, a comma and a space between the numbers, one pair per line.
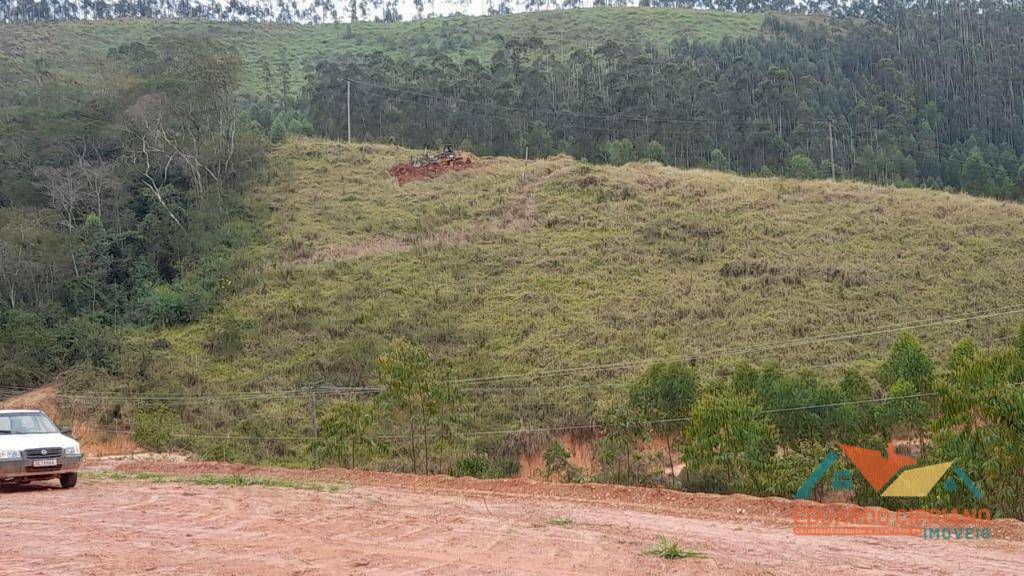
493, 274
232, 480
560, 522
670, 550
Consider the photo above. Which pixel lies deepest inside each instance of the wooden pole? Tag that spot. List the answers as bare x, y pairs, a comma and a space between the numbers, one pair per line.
831, 151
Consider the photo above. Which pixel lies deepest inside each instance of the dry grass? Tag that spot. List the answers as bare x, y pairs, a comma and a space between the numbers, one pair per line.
94, 442
514, 267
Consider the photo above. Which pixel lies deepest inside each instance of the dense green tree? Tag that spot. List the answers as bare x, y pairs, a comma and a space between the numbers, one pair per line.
976, 174
908, 362
729, 440
800, 166
619, 152
980, 429
901, 103
666, 391
905, 412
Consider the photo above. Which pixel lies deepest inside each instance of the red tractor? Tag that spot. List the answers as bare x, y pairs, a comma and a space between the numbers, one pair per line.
430, 166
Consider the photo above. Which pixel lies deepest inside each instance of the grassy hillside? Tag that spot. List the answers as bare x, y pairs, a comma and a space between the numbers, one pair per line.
77, 48
513, 267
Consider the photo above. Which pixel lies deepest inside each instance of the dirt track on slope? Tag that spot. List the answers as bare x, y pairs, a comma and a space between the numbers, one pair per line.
400, 524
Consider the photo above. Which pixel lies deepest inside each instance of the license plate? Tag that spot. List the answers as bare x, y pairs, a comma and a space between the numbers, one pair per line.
43, 463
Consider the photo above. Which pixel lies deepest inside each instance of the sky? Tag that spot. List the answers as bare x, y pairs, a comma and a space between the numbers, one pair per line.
444, 7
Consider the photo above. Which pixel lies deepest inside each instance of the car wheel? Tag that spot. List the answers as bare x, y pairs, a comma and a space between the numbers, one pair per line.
68, 480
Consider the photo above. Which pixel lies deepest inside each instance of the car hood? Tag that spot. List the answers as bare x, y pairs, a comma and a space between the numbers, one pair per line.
27, 441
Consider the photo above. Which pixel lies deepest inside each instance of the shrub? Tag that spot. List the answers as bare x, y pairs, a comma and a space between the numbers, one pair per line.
226, 338
718, 161
84, 340
655, 151
670, 550
483, 467
800, 166
557, 465
157, 428
666, 391
344, 435
171, 304
784, 474
620, 152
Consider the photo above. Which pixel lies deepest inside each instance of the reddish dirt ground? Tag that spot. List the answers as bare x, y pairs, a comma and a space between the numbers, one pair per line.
401, 524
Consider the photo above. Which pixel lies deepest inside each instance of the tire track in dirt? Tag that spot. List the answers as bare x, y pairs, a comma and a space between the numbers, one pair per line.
399, 524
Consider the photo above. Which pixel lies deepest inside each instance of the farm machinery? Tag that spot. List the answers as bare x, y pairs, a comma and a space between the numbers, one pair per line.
430, 166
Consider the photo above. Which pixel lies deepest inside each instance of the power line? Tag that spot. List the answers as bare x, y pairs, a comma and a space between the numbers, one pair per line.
304, 392
510, 431
963, 317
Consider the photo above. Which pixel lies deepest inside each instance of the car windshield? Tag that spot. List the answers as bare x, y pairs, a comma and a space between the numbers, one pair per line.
26, 423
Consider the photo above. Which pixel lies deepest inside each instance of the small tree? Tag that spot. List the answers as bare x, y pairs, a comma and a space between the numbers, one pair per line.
655, 151
344, 434
619, 451
414, 402
539, 141
65, 190
718, 161
557, 465
907, 361
976, 174
800, 166
620, 152
783, 393
852, 423
904, 410
666, 391
730, 439
664, 396
278, 129
963, 355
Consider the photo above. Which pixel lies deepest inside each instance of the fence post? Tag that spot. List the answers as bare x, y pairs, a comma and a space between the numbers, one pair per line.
316, 428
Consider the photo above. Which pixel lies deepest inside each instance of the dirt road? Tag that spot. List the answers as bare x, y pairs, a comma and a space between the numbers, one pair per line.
172, 521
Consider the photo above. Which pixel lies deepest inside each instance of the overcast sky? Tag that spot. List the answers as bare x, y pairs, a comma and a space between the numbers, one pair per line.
445, 7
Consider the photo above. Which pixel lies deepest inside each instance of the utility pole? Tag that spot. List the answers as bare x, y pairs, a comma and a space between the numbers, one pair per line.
348, 108
831, 151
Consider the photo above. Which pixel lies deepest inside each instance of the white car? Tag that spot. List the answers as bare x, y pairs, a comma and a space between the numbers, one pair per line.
32, 449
